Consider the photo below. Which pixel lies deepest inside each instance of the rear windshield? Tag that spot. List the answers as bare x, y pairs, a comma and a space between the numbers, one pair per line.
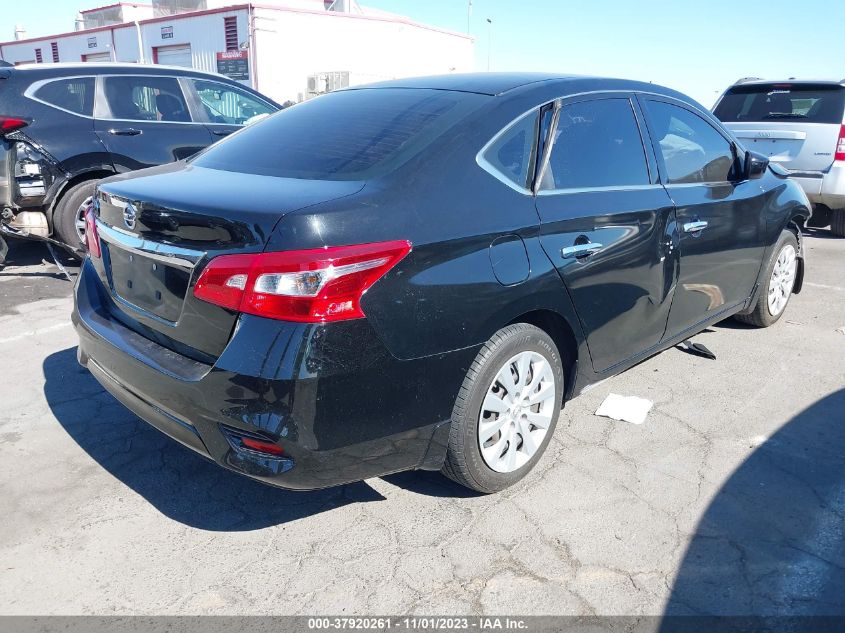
346, 135
782, 102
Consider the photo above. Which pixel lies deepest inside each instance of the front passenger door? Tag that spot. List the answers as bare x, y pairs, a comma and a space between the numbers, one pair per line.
718, 216
607, 225
144, 120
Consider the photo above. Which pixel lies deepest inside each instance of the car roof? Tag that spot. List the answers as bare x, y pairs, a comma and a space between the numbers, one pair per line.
96, 68
479, 83
552, 85
791, 82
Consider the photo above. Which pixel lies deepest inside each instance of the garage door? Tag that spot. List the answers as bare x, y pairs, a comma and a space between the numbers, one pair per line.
179, 55
97, 57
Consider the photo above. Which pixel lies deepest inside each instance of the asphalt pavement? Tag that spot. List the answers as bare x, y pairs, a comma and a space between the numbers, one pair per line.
729, 499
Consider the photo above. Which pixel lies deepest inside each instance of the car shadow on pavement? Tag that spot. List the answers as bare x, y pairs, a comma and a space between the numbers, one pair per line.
29, 253
821, 233
772, 541
430, 484
178, 482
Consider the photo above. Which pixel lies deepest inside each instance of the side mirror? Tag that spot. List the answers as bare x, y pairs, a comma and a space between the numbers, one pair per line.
755, 165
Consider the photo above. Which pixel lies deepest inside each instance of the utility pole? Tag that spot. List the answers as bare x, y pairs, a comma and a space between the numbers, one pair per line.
469, 14
489, 42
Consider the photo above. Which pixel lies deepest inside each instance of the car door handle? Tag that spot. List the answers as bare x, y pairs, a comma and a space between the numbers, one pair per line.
125, 131
581, 250
221, 132
695, 227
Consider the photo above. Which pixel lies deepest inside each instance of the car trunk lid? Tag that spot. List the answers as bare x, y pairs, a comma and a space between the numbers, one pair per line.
159, 228
794, 124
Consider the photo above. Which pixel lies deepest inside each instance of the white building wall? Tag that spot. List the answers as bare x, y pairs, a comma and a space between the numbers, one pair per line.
292, 45
205, 34
71, 47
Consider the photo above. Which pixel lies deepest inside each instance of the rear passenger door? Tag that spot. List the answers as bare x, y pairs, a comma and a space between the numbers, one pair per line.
608, 226
226, 108
719, 216
144, 120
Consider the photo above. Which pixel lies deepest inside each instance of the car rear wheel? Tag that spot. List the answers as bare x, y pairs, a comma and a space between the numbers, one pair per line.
781, 274
837, 222
69, 217
506, 410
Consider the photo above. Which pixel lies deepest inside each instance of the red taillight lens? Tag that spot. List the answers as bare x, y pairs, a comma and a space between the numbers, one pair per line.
11, 123
309, 286
840, 145
92, 238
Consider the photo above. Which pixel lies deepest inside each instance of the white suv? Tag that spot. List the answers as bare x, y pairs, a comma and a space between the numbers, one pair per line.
801, 126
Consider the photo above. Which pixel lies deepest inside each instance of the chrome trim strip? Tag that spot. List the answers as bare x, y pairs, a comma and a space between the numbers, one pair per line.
707, 183
488, 166
33, 87
171, 255
29, 93
549, 192
490, 169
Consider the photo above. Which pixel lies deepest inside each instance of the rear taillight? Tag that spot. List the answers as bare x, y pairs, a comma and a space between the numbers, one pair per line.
309, 286
92, 238
840, 145
11, 123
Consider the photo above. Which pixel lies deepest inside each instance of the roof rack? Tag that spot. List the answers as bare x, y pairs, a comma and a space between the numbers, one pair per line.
744, 80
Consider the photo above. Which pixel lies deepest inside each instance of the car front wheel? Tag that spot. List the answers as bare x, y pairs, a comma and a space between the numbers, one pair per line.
506, 410
781, 274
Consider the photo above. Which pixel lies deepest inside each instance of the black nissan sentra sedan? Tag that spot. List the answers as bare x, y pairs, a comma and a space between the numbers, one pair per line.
418, 274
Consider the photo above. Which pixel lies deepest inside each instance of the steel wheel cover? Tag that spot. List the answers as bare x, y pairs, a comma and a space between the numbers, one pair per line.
782, 280
517, 412
79, 219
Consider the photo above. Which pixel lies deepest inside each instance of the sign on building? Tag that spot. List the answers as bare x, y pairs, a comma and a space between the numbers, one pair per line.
234, 65
167, 32
92, 42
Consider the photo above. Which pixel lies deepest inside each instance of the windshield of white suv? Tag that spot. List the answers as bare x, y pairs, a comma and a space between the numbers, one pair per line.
808, 103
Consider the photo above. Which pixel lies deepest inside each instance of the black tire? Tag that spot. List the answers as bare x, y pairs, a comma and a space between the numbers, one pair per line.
464, 462
760, 315
64, 216
837, 222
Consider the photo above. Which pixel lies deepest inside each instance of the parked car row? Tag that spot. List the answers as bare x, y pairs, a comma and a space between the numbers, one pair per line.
419, 274
63, 127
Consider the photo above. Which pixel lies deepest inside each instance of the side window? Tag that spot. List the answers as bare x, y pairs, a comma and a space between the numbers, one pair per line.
75, 94
513, 151
140, 98
693, 151
228, 104
597, 144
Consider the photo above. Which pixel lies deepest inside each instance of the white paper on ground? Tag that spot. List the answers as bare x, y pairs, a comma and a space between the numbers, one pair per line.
626, 408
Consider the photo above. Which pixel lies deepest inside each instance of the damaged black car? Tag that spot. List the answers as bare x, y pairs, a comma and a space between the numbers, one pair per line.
64, 127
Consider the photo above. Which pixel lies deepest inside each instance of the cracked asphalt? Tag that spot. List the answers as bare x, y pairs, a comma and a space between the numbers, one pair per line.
729, 499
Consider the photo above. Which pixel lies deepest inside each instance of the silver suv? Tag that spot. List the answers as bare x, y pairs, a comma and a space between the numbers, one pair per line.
801, 126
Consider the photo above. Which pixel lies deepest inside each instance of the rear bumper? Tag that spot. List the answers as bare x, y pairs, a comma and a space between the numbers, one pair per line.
340, 406
827, 188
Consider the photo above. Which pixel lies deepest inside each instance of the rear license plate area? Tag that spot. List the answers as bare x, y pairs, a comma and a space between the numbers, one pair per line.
148, 284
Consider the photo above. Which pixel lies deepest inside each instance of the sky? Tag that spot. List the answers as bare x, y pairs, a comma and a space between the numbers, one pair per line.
696, 46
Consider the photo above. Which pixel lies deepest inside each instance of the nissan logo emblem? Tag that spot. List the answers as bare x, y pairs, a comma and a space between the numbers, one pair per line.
130, 215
